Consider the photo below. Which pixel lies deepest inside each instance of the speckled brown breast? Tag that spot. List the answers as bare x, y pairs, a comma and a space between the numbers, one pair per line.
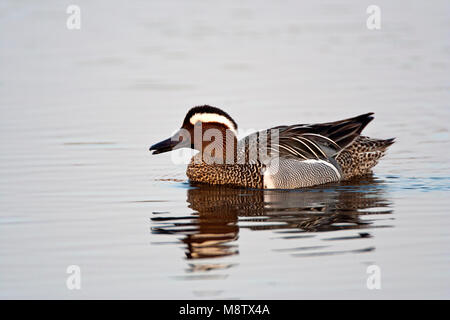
242, 175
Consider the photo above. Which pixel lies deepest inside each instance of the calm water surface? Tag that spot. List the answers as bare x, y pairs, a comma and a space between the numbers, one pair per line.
79, 110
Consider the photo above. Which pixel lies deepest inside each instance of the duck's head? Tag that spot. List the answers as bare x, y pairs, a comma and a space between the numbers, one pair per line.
202, 125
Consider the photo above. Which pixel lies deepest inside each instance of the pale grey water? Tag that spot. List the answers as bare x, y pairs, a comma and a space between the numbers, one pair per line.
79, 110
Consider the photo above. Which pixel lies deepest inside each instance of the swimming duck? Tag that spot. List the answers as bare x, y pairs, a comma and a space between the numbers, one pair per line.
283, 157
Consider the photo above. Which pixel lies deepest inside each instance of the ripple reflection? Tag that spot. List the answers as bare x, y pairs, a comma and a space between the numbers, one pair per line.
212, 231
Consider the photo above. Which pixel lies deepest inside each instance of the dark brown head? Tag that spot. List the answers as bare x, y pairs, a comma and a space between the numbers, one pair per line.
205, 128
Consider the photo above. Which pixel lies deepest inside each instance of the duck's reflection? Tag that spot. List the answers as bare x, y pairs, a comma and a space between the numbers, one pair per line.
213, 229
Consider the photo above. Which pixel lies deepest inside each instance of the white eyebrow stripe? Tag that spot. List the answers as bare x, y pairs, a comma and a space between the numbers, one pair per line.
213, 117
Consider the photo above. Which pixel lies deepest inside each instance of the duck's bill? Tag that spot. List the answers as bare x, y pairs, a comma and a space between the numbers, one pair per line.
164, 146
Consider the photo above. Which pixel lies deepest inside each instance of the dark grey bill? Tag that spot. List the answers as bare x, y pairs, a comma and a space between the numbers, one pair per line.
164, 146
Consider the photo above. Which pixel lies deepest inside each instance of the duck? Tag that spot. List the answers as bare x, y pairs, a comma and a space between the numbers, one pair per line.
282, 157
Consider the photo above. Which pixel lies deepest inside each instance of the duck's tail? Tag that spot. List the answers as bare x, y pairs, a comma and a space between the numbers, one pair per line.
362, 155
